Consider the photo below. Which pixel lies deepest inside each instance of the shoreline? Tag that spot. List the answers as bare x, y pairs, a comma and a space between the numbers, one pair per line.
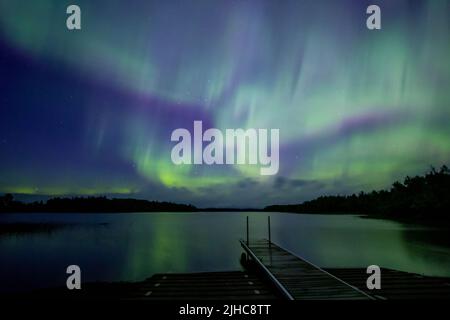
437, 223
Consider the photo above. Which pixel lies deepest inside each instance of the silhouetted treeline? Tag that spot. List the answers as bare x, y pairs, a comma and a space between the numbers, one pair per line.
91, 204
420, 197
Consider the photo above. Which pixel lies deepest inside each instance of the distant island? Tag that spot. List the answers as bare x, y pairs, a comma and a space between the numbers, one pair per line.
91, 205
420, 198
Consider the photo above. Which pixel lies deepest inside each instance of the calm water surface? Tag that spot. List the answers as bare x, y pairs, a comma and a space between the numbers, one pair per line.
114, 247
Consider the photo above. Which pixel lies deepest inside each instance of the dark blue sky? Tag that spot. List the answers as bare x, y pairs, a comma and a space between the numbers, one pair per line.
90, 112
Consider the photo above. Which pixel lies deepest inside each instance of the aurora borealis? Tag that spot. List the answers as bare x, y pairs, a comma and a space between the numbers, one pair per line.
90, 112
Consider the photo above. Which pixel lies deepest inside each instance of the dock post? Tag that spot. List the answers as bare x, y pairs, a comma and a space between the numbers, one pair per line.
268, 225
247, 231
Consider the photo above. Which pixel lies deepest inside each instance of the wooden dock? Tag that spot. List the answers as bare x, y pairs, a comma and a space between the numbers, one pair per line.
296, 278
235, 285
397, 285
226, 285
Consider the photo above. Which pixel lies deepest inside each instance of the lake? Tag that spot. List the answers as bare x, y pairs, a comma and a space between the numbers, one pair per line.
133, 246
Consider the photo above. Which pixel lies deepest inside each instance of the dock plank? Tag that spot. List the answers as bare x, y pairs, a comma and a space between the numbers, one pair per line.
235, 285
296, 277
398, 284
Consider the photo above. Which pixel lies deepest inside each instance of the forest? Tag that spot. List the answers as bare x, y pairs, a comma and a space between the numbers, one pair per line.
91, 204
424, 197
